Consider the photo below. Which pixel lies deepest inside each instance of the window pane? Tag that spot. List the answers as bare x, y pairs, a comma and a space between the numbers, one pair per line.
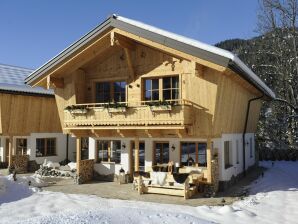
40, 147
147, 84
167, 94
158, 148
21, 146
117, 86
103, 151
115, 155
166, 83
175, 94
155, 84
192, 152
102, 94
155, 95
175, 82
148, 95
202, 148
165, 153
184, 154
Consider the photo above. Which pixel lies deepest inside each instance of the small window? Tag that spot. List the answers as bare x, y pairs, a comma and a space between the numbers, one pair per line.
109, 151
193, 153
84, 148
227, 154
237, 151
250, 148
21, 146
45, 147
161, 153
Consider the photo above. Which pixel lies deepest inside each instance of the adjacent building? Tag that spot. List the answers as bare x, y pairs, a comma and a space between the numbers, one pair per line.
29, 122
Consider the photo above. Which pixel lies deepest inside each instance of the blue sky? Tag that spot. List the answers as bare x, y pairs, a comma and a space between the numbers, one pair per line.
33, 31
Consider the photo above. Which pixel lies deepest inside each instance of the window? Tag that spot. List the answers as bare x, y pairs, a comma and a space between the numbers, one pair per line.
120, 91
103, 92
84, 148
21, 146
227, 154
237, 151
151, 89
45, 147
109, 151
250, 147
193, 153
141, 155
169, 89
161, 153
110, 92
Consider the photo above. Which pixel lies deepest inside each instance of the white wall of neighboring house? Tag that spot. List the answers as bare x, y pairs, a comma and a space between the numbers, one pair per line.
31, 147
236, 167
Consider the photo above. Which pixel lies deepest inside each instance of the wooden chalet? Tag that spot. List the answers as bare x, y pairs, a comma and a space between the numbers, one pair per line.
144, 99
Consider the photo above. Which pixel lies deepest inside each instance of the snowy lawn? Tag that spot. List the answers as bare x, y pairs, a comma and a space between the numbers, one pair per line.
273, 199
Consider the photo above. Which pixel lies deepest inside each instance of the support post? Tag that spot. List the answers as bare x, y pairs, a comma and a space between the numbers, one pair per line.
137, 156
78, 154
209, 158
10, 150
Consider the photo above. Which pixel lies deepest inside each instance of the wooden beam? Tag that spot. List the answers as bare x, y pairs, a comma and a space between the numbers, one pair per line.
129, 63
209, 158
123, 42
57, 82
119, 132
178, 132
147, 132
137, 154
78, 150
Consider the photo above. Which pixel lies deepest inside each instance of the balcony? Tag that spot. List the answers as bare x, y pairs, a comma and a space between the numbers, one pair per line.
130, 115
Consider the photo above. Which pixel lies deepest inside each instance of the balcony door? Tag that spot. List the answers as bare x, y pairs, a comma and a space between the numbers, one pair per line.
110, 92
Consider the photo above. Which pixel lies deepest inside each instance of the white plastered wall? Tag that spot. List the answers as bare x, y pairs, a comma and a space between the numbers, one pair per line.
31, 147
236, 168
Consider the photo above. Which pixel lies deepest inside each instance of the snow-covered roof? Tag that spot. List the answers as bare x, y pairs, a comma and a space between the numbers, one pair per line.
190, 46
12, 79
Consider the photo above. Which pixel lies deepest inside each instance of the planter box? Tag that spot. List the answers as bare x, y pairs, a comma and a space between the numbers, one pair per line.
78, 111
117, 110
161, 108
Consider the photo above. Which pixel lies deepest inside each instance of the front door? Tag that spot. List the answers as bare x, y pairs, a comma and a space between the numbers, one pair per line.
141, 156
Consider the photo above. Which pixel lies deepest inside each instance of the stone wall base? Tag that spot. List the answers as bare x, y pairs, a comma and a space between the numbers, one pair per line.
86, 171
20, 163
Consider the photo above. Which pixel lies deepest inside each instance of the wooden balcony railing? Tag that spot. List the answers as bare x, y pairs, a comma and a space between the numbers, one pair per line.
134, 114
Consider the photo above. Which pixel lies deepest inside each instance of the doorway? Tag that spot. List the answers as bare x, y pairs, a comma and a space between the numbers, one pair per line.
6, 150
141, 156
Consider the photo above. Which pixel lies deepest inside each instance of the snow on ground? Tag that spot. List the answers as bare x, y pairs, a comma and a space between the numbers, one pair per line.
273, 199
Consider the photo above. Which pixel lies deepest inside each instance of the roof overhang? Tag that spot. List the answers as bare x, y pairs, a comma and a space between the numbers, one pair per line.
195, 48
